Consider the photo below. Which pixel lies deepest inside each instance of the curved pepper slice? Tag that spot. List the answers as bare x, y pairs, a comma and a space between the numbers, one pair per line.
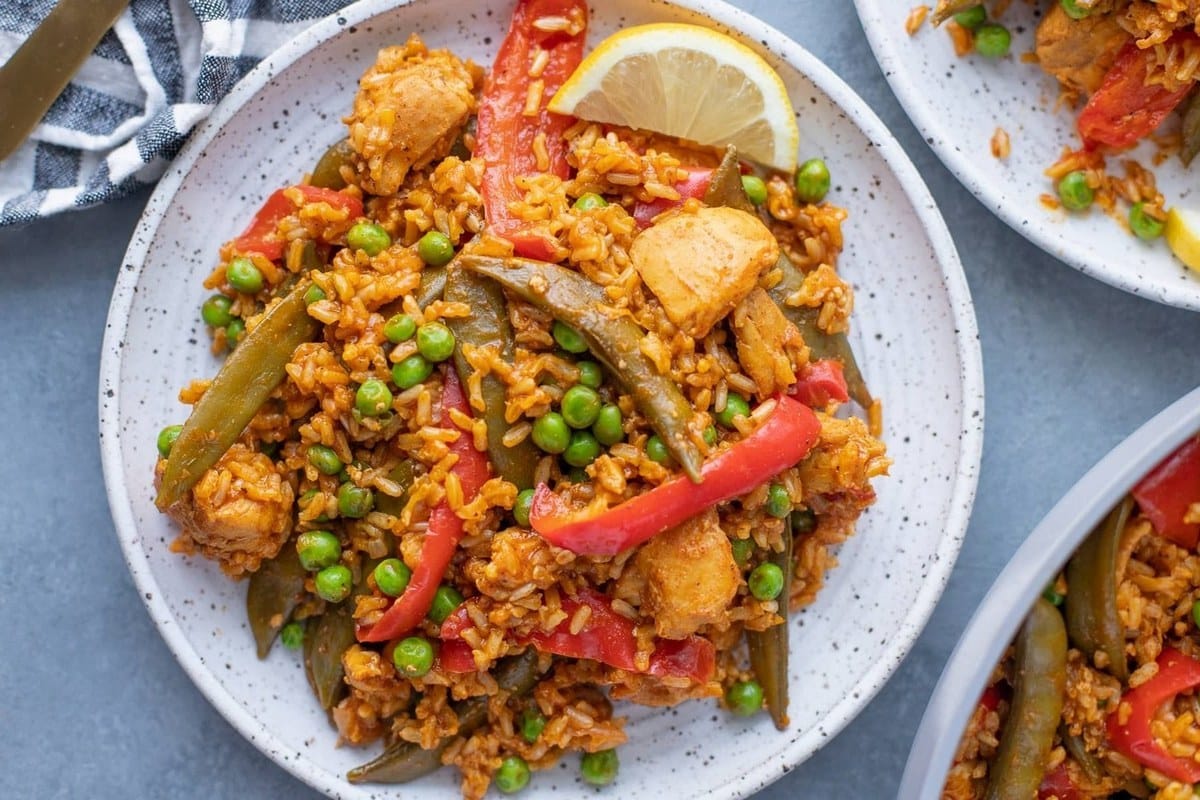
444, 532
693, 186
606, 637
784, 439
1176, 673
506, 133
1058, 785
261, 235
1166, 493
820, 383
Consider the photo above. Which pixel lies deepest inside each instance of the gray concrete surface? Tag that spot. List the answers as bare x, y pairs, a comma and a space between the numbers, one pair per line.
92, 703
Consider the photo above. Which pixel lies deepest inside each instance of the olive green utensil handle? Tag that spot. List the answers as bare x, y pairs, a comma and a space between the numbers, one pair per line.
42, 66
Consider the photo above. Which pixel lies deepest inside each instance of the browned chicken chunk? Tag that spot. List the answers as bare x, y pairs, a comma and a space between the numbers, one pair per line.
238, 513
1079, 51
700, 264
685, 577
410, 107
765, 340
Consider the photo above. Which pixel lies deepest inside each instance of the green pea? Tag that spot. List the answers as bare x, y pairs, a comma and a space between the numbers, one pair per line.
582, 450
532, 724
756, 189
373, 398
435, 342
513, 775
744, 698
742, 549
609, 426
1074, 192
803, 520
590, 374
324, 459
354, 502
292, 636
399, 328
392, 576
411, 371
580, 406
216, 311
812, 181
1051, 595
1074, 10
568, 338
992, 40
413, 657
333, 583
313, 294
1144, 226
234, 331
318, 549
166, 439
589, 201
711, 437
779, 504
766, 581
445, 601
735, 406
599, 769
435, 249
550, 432
656, 450
243, 276
972, 17
1196, 613
521, 507
369, 237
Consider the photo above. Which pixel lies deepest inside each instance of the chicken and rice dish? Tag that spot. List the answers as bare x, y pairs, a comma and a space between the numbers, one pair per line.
521, 415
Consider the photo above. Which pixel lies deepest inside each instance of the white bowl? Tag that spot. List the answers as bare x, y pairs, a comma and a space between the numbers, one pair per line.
957, 104
1007, 603
915, 332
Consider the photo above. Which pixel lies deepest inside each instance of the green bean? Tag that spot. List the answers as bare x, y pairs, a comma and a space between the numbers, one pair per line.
404, 474
328, 171
1086, 759
406, 761
488, 325
1091, 604
613, 338
1190, 130
1039, 681
243, 384
272, 594
769, 648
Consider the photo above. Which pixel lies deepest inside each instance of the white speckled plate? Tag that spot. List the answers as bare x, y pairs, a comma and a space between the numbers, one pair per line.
915, 332
957, 103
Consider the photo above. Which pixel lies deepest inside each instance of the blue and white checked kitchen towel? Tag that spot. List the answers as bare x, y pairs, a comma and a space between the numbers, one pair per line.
127, 112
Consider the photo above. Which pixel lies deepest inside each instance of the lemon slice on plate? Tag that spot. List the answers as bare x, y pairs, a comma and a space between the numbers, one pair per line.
1183, 235
686, 81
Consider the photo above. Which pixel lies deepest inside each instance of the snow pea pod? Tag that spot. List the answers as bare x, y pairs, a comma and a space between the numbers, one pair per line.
328, 172
404, 474
613, 337
1091, 603
769, 648
406, 761
1190, 130
327, 638
273, 593
1039, 680
488, 326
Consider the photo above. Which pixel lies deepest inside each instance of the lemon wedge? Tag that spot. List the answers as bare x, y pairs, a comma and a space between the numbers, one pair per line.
686, 81
1183, 235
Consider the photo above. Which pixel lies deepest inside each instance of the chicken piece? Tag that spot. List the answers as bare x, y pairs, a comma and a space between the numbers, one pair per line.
765, 341
1078, 51
410, 107
684, 578
238, 513
701, 263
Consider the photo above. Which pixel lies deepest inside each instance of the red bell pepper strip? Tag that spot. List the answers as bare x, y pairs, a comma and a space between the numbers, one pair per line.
820, 383
1166, 493
779, 443
443, 534
606, 637
1124, 109
693, 185
991, 697
1057, 785
1176, 673
505, 134
262, 236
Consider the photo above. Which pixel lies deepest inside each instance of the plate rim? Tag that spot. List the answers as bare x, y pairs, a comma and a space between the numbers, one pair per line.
1184, 294
967, 347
